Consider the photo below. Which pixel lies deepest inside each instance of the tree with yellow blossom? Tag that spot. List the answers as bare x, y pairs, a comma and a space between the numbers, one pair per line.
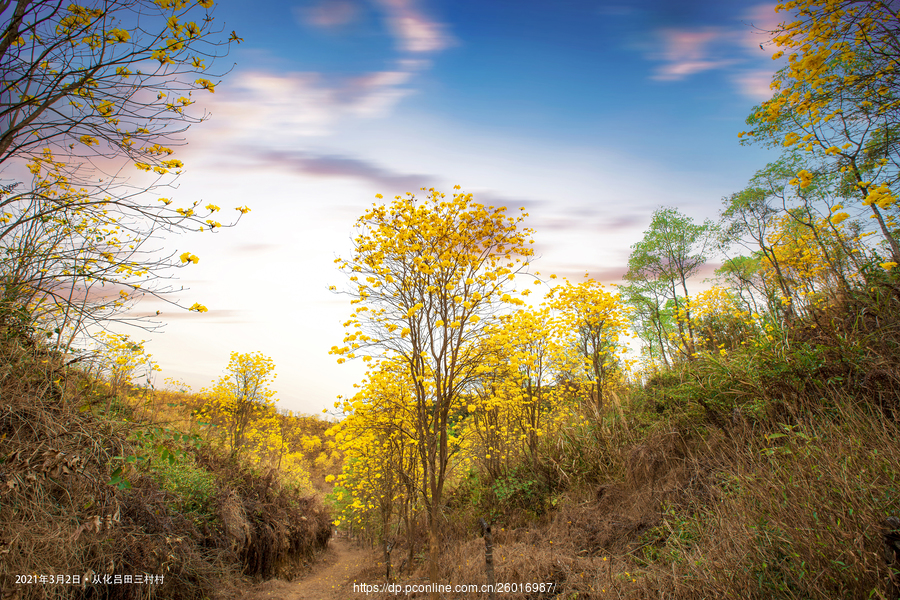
426, 275
239, 398
378, 488
122, 362
518, 393
93, 98
837, 99
799, 232
596, 320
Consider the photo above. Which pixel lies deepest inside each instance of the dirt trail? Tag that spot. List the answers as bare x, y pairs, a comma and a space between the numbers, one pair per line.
342, 563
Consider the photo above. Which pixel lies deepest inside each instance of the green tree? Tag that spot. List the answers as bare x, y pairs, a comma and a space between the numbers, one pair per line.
671, 252
748, 219
650, 320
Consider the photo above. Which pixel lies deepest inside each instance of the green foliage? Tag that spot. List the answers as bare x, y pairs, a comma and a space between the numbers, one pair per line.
194, 485
519, 490
672, 540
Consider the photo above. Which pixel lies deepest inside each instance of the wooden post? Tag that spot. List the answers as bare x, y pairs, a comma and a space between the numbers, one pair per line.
890, 532
387, 547
488, 556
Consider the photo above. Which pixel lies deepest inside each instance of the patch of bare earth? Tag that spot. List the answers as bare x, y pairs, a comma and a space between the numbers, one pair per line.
331, 578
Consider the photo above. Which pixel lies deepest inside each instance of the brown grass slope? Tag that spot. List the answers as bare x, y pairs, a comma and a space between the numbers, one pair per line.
66, 507
773, 472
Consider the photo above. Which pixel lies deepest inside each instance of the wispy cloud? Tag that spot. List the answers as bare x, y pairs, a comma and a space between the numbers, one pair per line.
328, 14
754, 84
338, 166
413, 30
707, 270
255, 248
591, 218
230, 317
683, 52
576, 273
492, 198
686, 52
624, 222
262, 105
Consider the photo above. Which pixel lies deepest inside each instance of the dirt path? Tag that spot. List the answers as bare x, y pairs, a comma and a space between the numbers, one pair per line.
342, 563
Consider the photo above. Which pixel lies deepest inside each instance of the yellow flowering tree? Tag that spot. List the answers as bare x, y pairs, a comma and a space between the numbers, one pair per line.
837, 98
425, 275
720, 322
122, 363
517, 396
802, 238
103, 78
377, 490
90, 90
596, 320
241, 403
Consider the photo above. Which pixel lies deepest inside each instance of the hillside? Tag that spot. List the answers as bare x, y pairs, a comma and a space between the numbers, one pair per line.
99, 488
769, 473
711, 411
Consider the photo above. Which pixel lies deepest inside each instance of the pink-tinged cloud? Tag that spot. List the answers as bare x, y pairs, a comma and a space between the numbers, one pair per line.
616, 274
760, 21
708, 270
328, 14
413, 30
686, 52
339, 166
271, 105
376, 94
223, 316
681, 70
592, 220
754, 84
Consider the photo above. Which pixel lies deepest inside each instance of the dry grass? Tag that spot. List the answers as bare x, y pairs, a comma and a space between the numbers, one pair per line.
772, 473
798, 513
59, 514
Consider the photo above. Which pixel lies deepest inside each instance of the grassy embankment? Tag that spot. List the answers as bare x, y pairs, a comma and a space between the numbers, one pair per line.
769, 471
96, 483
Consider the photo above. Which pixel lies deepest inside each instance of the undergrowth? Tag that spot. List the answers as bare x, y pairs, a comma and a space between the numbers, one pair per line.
769, 471
90, 486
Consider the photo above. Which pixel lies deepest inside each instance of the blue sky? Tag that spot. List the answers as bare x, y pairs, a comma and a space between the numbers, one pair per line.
589, 114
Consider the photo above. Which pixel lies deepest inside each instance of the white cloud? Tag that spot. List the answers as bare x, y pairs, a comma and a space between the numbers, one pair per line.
686, 52
754, 84
267, 107
262, 105
328, 14
412, 29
